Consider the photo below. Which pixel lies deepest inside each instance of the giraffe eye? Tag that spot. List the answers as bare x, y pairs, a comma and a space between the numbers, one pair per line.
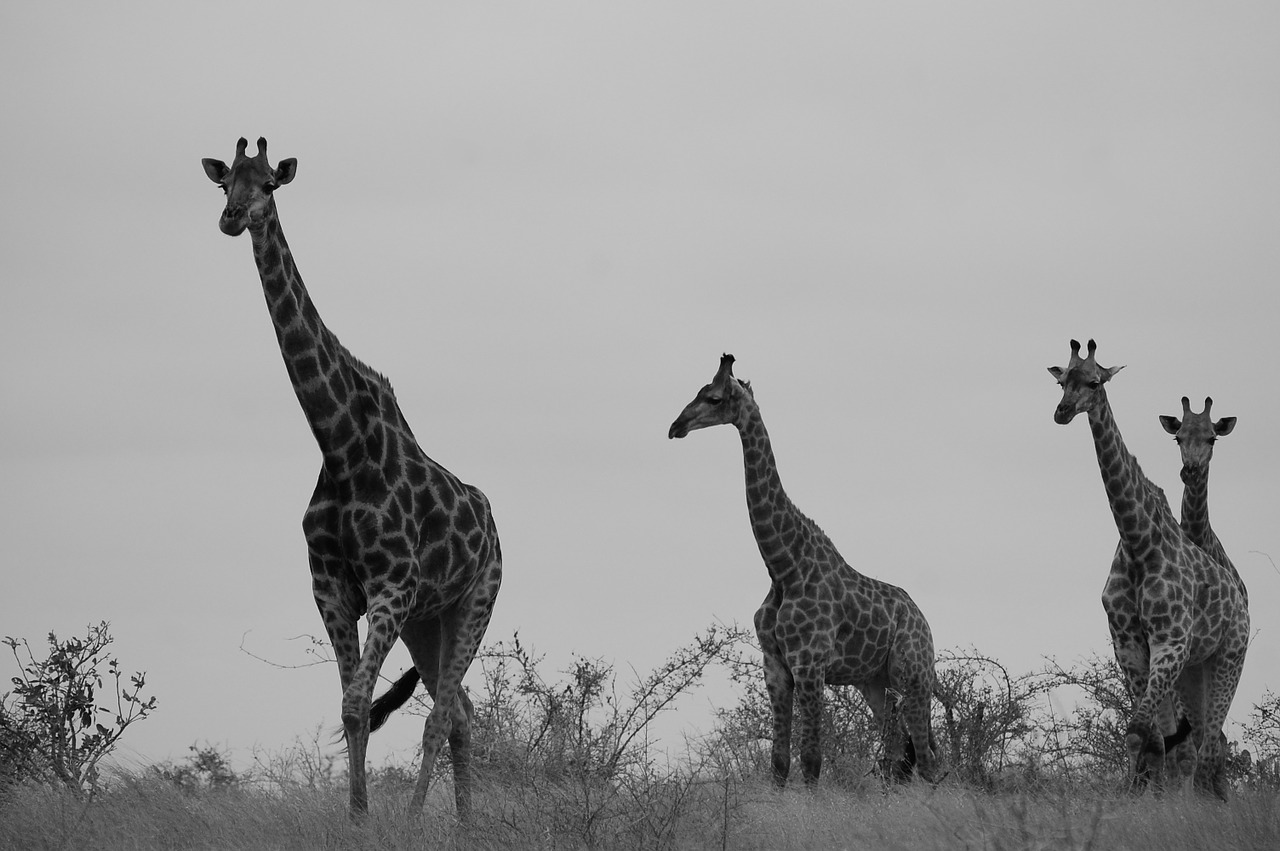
715, 400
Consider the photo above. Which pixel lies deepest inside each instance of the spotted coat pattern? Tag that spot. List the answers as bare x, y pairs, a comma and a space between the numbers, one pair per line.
391, 534
1179, 621
822, 622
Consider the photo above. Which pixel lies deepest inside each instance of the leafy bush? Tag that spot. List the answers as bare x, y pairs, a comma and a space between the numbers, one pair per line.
53, 725
206, 769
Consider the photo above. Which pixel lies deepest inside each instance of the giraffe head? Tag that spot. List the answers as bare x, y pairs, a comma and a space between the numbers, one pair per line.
1081, 382
248, 184
1195, 434
719, 402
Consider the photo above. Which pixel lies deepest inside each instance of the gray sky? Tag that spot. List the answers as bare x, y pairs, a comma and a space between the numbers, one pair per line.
545, 223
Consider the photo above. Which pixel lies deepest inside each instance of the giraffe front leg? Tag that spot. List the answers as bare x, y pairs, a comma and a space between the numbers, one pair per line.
1133, 656
384, 619
1222, 675
341, 624
1143, 737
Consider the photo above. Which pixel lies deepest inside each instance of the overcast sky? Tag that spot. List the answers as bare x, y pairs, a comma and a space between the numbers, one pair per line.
545, 223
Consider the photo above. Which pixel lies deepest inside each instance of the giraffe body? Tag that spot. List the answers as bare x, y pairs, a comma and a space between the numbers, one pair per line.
391, 534
1179, 623
822, 622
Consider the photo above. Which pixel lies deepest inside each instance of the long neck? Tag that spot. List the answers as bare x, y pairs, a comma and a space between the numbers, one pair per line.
775, 521
1195, 505
1136, 503
1195, 518
319, 367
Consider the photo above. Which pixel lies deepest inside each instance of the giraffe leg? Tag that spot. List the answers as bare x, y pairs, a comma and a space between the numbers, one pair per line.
1180, 758
916, 712
893, 765
384, 619
461, 632
424, 640
1132, 655
1222, 675
1143, 738
808, 710
341, 615
781, 689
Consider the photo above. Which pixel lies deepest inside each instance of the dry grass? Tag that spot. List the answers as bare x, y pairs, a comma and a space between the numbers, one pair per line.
151, 814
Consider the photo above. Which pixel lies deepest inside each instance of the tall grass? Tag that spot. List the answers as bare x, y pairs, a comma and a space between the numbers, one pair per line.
150, 813
565, 761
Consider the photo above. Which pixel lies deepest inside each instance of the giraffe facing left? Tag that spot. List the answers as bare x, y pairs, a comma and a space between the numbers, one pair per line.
391, 534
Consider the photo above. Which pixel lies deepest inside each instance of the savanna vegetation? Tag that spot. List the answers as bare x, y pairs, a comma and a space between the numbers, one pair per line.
568, 759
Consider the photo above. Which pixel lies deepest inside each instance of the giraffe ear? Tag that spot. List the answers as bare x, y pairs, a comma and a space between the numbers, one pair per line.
1224, 426
1171, 424
1109, 372
216, 169
1056, 372
285, 170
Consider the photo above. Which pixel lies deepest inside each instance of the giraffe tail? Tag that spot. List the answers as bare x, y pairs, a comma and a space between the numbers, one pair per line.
393, 698
1179, 736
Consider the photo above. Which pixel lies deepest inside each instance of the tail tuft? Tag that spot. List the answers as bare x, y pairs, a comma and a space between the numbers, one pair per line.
391, 700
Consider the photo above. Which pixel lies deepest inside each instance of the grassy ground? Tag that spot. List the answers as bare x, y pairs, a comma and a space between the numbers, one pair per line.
152, 814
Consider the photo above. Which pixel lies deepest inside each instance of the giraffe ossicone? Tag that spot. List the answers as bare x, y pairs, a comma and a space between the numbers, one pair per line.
822, 622
391, 534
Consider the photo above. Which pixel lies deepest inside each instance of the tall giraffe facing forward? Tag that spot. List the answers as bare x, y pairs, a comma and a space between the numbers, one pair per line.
390, 533
822, 623
1177, 619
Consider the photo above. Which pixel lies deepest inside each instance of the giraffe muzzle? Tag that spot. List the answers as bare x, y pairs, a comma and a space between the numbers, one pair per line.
232, 222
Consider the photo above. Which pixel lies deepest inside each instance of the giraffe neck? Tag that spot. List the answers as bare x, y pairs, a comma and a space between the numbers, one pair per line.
1137, 504
1195, 520
775, 521
336, 391
1195, 505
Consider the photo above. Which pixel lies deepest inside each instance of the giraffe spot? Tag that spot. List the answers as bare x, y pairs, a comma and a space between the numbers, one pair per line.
398, 573
296, 342
415, 474
445, 492
271, 253
435, 525
465, 521
436, 563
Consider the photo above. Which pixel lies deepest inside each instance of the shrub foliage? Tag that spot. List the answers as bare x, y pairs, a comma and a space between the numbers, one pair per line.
67, 710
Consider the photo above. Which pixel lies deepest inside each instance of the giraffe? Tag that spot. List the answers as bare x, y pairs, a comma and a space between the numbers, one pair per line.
1178, 623
1195, 435
391, 534
822, 622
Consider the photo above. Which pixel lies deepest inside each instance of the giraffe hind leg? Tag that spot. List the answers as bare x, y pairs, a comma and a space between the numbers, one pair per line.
781, 690
899, 754
426, 644
460, 633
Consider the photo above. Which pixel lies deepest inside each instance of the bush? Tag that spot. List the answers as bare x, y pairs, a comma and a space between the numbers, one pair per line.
53, 727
